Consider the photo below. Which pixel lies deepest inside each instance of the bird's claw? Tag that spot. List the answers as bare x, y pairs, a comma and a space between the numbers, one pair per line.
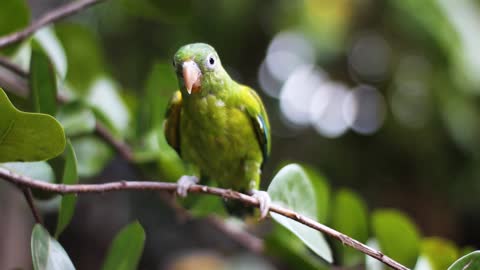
264, 200
184, 183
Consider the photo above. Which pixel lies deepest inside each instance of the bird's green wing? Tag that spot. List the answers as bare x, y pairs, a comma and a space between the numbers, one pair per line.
171, 126
257, 113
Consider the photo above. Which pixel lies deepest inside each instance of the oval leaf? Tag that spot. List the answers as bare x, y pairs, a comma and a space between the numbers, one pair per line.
397, 236
126, 249
39, 170
85, 58
47, 39
70, 177
440, 253
349, 216
47, 253
76, 119
467, 262
28, 136
292, 188
92, 155
322, 192
43, 83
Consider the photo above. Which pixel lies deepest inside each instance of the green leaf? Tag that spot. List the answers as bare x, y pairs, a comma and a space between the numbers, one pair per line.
439, 252
160, 85
39, 170
467, 262
15, 15
397, 236
126, 249
70, 177
43, 83
206, 205
107, 103
50, 44
281, 243
76, 118
349, 216
322, 193
47, 253
85, 58
28, 136
92, 155
293, 189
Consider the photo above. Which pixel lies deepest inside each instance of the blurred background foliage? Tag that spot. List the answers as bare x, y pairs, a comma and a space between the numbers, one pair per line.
379, 97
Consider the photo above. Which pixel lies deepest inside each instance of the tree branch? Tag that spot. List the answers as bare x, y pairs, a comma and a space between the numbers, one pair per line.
50, 17
27, 192
24, 181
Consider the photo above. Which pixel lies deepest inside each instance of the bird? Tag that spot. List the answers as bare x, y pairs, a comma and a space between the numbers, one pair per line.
217, 124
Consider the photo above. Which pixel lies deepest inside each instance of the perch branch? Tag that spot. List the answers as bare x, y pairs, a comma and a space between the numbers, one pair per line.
50, 17
24, 181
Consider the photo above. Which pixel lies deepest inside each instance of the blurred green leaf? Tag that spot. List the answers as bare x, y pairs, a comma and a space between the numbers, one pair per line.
397, 236
47, 253
322, 192
43, 82
39, 170
46, 38
76, 118
160, 85
349, 216
92, 155
28, 136
292, 188
126, 249
84, 56
15, 15
108, 105
70, 177
439, 252
207, 205
467, 262
281, 243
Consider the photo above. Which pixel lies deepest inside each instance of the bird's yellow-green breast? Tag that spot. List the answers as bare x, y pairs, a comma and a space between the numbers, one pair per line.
215, 123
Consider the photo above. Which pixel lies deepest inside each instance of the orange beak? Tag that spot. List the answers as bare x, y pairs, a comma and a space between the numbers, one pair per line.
191, 76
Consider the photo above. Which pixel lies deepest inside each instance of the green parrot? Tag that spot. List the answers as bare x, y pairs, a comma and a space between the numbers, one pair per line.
217, 124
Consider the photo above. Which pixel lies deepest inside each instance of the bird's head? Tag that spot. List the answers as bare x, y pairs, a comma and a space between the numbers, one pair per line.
198, 67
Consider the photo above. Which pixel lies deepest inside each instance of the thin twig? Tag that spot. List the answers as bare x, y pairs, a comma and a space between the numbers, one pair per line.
5, 62
50, 17
25, 181
120, 147
27, 192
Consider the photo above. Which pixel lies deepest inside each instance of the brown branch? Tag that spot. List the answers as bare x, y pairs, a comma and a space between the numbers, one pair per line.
50, 17
24, 181
27, 192
5, 62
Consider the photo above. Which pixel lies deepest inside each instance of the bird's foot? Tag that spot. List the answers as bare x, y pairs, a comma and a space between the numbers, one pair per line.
264, 200
184, 183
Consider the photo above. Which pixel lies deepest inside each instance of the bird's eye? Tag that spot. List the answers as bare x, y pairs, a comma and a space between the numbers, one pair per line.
211, 62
